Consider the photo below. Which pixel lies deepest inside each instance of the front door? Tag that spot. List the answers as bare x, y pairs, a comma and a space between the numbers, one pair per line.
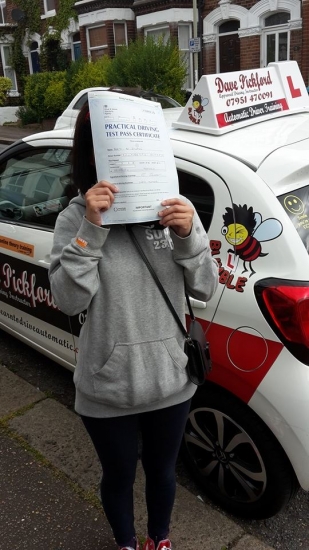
229, 53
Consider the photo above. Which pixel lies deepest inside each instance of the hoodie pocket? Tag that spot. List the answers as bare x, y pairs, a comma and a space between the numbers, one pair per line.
142, 373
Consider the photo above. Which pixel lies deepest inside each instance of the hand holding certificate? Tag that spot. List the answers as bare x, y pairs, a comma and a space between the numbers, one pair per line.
133, 152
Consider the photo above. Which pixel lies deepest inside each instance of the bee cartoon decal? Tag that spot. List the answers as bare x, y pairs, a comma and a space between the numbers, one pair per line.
198, 107
245, 230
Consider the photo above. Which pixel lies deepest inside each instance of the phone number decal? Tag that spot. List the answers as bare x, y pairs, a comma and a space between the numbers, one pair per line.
242, 100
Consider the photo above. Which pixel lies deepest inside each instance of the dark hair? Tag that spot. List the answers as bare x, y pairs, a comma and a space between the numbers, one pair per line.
83, 165
84, 171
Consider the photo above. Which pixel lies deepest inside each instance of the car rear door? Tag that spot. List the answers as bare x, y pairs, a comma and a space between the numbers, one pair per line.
209, 193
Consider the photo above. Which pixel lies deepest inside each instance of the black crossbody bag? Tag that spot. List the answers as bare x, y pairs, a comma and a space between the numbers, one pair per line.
196, 345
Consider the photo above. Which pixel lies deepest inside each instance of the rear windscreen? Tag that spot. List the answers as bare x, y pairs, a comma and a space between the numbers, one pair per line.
296, 205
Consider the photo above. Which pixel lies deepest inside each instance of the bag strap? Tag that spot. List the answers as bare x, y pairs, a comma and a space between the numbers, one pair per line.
160, 286
192, 316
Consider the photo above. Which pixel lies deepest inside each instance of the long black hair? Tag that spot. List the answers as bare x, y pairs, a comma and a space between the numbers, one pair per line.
83, 164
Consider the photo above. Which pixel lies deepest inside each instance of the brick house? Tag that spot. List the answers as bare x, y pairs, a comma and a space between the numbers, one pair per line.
107, 25
234, 34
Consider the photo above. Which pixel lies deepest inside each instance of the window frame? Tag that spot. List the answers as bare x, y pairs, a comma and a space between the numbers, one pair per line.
154, 31
189, 84
94, 48
275, 30
14, 89
124, 23
48, 12
3, 12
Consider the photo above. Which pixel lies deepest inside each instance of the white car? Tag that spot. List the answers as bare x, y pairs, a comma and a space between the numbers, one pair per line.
247, 436
69, 115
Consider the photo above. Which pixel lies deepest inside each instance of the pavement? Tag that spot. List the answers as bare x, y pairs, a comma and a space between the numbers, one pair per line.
50, 479
11, 132
50, 475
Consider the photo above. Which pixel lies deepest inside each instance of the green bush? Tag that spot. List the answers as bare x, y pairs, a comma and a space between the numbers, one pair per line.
26, 115
151, 64
5, 86
70, 76
83, 74
36, 90
55, 101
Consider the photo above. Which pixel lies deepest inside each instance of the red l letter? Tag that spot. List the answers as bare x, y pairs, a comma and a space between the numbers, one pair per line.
295, 92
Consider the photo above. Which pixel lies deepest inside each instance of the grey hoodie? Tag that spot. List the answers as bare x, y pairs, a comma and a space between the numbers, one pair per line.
131, 356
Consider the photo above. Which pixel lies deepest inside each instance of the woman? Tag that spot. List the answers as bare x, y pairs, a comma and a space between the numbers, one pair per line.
130, 375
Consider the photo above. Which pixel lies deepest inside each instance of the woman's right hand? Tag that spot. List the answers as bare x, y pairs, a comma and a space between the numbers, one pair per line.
99, 198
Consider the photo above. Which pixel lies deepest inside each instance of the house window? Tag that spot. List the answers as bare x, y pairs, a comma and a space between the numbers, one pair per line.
120, 35
276, 38
277, 19
49, 5
7, 69
2, 13
184, 35
97, 42
159, 32
76, 46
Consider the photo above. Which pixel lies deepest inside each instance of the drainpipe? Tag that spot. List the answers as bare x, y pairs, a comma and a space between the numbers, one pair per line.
195, 54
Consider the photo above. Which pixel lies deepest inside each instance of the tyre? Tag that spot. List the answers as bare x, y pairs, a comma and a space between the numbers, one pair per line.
234, 457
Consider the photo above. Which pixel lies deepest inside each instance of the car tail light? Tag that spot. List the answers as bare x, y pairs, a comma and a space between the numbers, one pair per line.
285, 305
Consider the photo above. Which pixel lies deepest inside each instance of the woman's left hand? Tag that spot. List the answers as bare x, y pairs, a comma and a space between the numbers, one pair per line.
178, 216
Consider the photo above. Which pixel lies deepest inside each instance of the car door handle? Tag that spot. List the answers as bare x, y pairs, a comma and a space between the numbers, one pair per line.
197, 303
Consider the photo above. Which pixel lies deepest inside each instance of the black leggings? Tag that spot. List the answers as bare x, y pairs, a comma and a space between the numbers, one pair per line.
116, 442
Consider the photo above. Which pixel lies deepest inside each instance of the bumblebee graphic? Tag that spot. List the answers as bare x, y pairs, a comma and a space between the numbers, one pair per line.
245, 230
199, 103
198, 107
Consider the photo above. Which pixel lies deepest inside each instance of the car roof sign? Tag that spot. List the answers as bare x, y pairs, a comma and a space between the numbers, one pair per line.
224, 102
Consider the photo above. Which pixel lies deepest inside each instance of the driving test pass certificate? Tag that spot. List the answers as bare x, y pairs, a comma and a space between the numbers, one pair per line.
133, 151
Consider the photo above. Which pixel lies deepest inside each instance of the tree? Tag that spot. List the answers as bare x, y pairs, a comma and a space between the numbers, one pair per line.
151, 64
52, 56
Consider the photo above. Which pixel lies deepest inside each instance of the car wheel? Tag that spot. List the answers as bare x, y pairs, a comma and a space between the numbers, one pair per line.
234, 457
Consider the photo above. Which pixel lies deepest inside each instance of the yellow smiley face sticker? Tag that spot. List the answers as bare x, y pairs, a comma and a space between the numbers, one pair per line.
294, 205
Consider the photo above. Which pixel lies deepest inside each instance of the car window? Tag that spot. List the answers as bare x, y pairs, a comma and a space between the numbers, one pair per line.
35, 185
166, 102
296, 205
81, 101
200, 193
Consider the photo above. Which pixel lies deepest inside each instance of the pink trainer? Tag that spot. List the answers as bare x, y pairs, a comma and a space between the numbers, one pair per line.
162, 545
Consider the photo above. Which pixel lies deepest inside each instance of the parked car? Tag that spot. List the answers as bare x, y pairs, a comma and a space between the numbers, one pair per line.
247, 436
69, 115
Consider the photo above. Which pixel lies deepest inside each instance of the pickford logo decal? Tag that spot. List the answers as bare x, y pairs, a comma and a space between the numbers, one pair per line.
245, 231
195, 112
26, 287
